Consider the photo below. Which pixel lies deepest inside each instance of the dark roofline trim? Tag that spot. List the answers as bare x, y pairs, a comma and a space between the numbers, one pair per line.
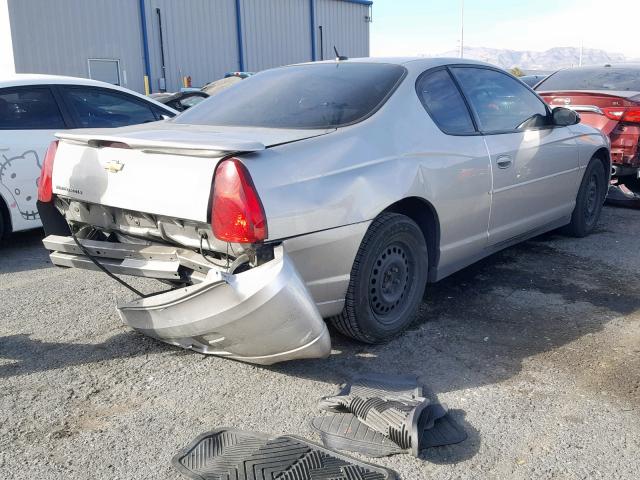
368, 3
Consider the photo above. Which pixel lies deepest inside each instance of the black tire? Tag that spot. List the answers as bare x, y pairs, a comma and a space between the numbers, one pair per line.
589, 201
387, 282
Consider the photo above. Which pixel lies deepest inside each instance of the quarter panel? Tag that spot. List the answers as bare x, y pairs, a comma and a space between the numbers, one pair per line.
353, 174
324, 260
589, 140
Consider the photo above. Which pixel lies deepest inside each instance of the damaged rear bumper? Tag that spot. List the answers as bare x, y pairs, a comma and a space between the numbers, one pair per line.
263, 315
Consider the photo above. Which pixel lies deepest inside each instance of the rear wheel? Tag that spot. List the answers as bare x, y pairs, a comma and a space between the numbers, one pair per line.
589, 201
387, 283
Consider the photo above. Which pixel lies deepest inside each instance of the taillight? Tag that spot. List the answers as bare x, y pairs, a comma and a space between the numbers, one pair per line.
237, 214
632, 115
623, 114
45, 187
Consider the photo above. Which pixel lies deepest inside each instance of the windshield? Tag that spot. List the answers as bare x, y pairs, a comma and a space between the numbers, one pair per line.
322, 95
597, 78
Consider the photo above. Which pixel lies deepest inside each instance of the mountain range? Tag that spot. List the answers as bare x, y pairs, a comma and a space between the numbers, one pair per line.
552, 59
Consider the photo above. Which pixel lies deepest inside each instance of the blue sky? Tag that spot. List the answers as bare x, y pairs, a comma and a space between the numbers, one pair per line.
417, 27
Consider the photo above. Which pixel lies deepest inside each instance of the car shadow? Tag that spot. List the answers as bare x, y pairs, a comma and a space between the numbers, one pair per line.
478, 326
29, 355
484, 320
23, 251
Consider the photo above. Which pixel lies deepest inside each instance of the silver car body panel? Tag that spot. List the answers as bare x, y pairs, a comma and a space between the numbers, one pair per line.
321, 189
545, 167
263, 315
324, 260
152, 176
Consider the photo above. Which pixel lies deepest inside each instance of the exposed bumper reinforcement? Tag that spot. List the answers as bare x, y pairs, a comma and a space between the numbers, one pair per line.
264, 315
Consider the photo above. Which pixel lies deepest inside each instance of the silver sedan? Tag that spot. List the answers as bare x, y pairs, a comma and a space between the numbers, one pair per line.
331, 191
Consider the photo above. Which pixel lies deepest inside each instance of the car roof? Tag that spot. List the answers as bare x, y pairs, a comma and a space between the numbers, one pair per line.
630, 66
410, 62
19, 79
25, 79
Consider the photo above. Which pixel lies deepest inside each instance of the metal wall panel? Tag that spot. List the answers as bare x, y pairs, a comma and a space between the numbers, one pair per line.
58, 37
275, 32
7, 65
345, 26
200, 37
200, 40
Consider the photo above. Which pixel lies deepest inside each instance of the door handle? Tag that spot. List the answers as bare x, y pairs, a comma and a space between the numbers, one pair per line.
3, 149
504, 161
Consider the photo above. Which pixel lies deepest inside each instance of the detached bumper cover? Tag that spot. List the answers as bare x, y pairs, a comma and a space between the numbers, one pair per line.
264, 315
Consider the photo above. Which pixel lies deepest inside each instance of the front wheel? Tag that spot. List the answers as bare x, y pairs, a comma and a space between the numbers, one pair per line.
589, 201
387, 282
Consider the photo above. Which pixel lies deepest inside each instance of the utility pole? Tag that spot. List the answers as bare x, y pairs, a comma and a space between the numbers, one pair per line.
461, 28
581, 48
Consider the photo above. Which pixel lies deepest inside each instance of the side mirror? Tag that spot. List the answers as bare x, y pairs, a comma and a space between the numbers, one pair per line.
563, 117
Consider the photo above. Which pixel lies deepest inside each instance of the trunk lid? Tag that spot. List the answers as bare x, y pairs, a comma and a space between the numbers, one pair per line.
591, 104
162, 169
599, 109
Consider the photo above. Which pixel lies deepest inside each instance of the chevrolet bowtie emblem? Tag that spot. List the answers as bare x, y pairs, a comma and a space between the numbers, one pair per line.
114, 166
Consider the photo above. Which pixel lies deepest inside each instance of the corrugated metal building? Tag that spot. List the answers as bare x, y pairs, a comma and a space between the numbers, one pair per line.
121, 41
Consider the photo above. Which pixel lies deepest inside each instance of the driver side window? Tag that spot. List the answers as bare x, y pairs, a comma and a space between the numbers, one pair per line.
501, 103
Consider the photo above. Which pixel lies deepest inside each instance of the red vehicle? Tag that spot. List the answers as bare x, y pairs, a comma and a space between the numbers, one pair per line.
607, 98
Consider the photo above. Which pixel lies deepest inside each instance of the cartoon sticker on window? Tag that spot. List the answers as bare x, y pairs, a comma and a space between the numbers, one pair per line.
14, 176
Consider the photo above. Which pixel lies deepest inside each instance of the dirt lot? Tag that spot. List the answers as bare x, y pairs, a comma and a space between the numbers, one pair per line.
536, 350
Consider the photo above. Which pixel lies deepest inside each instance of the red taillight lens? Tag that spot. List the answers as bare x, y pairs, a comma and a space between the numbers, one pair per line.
45, 187
632, 115
623, 114
613, 113
237, 214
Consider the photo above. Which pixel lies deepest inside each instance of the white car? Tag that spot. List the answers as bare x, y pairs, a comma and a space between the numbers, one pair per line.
32, 109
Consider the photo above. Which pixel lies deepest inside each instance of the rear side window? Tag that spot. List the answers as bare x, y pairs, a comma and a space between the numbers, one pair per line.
598, 78
323, 95
189, 102
101, 108
442, 99
500, 102
29, 109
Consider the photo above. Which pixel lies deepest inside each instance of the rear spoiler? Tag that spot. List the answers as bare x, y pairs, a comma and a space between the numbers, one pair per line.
160, 141
628, 94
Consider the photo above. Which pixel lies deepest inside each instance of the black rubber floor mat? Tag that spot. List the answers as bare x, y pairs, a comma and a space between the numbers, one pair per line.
226, 454
344, 431
395, 419
370, 385
445, 431
390, 405
380, 415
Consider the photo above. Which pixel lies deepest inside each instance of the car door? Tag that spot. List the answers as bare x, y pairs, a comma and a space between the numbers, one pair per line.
459, 167
29, 116
98, 107
534, 164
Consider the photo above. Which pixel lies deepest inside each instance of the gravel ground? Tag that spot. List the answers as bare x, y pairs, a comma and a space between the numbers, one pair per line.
536, 350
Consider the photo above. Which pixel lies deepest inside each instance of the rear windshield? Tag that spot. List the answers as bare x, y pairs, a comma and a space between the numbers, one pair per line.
600, 78
323, 95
